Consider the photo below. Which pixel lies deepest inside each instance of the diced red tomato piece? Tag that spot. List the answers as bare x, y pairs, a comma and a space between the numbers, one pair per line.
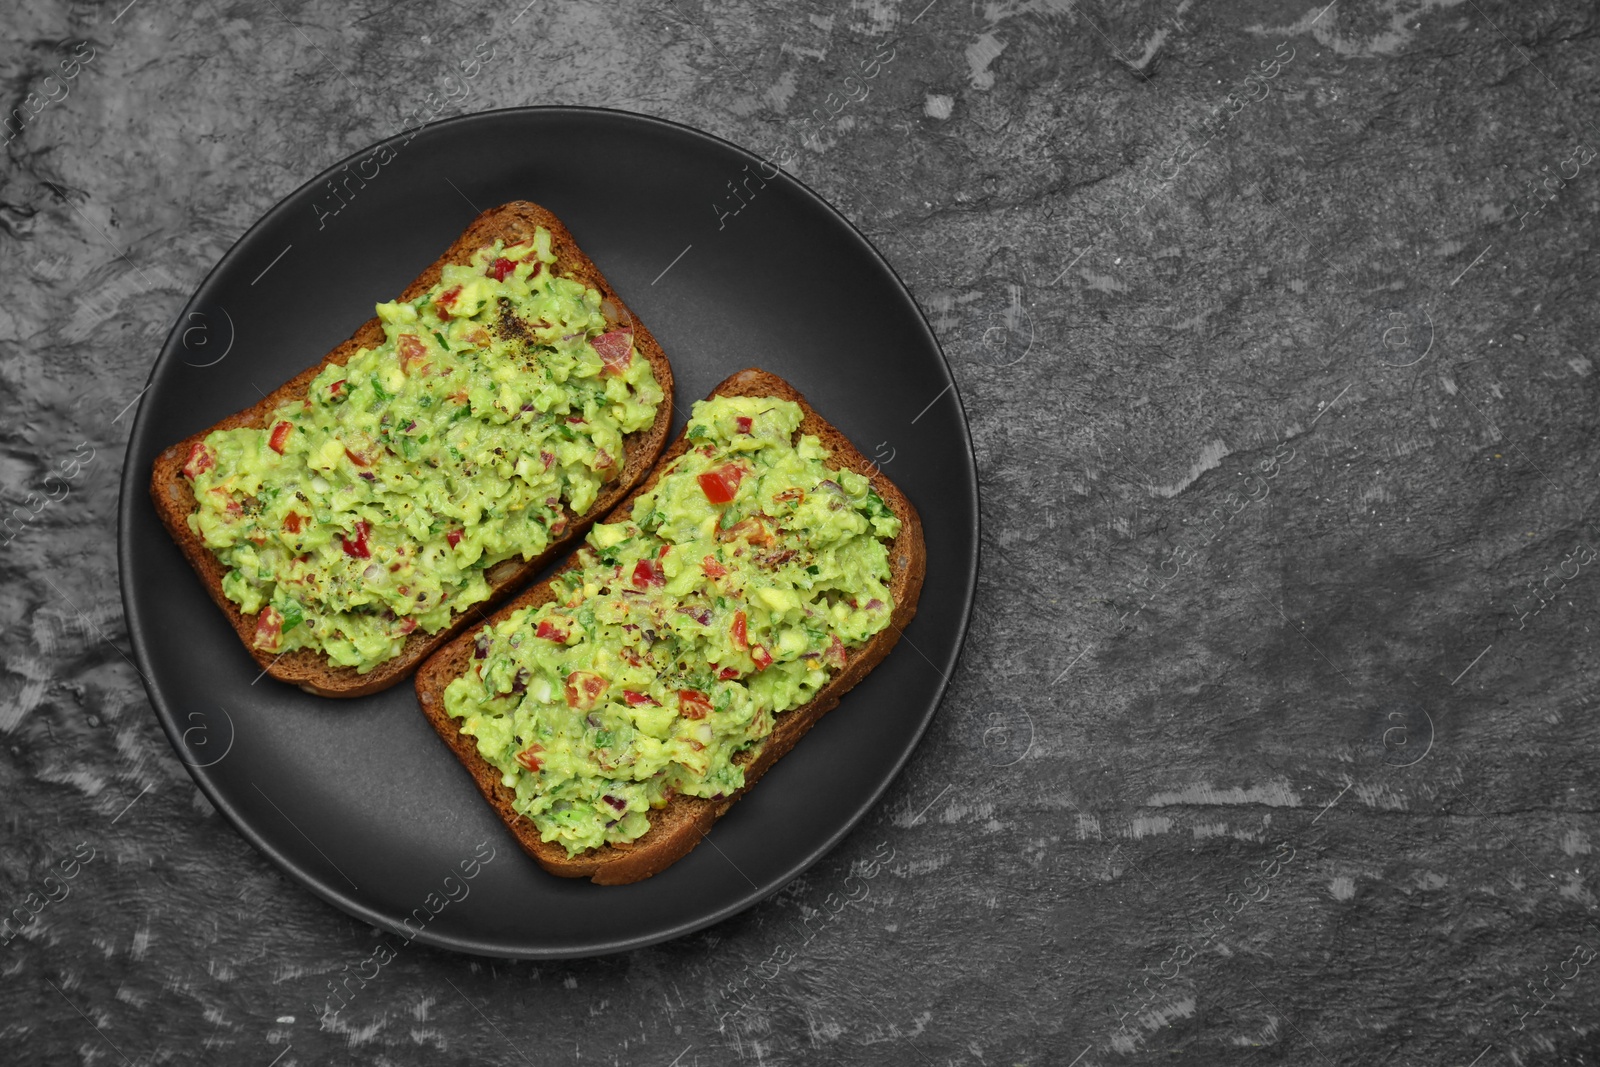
280, 437
453, 538
269, 628
547, 458
445, 301
529, 757
408, 624
616, 351
647, 574
762, 657
337, 387
741, 638
721, 484
743, 422
357, 546
292, 521
712, 568
500, 268
549, 631
584, 688
693, 704
752, 529
728, 673
836, 653
635, 698
411, 351
200, 459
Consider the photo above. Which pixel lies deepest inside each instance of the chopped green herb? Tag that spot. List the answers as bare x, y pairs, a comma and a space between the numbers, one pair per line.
292, 615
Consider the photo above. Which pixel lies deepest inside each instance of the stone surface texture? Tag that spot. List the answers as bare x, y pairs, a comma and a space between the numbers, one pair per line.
1274, 739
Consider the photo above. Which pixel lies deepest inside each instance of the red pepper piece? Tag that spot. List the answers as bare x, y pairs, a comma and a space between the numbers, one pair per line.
721, 484
269, 628
280, 437
583, 689
357, 546
693, 704
616, 351
445, 301
200, 459
647, 574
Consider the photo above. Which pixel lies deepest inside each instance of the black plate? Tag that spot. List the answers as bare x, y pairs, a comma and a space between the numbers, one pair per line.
359, 799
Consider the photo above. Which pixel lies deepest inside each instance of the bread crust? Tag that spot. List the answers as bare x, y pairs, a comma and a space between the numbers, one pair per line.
680, 826
309, 668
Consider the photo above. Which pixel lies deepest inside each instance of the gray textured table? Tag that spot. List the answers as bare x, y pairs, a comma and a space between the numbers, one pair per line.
1273, 740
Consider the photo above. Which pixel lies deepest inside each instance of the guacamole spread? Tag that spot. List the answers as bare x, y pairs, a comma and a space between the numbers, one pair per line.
731, 594
373, 507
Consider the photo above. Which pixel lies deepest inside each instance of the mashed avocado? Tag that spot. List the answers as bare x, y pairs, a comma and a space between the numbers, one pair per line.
730, 595
373, 507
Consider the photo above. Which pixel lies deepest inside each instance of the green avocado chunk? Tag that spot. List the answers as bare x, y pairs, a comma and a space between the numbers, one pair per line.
373, 507
730, 595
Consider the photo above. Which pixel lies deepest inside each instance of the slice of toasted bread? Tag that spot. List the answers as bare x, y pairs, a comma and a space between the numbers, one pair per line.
309, 668
678, 827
